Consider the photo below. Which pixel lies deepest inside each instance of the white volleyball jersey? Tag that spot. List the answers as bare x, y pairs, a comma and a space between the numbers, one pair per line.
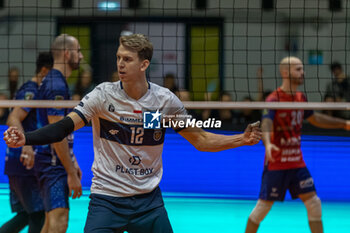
128, 157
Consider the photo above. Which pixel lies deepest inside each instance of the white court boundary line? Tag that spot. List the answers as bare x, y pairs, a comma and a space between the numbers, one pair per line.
191, 104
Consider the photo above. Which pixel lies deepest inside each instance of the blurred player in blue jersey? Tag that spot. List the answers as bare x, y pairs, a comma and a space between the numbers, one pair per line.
24, 188
55, 165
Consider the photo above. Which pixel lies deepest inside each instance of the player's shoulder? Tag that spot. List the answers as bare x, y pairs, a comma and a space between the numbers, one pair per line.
301, 96
27, 91
105, 90
29, 85
107, 87
54, 75
160, 91
54, 80
273, 96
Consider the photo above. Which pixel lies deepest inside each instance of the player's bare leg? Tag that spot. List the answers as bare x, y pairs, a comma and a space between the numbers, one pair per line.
252, 227
45, 228
314, 212
260, 211
58, 220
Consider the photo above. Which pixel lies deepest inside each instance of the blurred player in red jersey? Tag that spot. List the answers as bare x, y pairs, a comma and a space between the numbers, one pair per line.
285, 168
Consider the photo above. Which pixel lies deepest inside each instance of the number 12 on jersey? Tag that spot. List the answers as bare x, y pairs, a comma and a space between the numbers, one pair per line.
136, 135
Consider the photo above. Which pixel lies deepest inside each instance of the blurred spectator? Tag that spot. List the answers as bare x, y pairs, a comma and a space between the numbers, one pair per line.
114, 77
13, 75
339, 88
225, 115
170, 83
246, 116
4, 112
84, 85
185, 95
329, 98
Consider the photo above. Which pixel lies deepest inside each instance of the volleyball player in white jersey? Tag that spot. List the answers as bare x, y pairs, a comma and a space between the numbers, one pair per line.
128, 165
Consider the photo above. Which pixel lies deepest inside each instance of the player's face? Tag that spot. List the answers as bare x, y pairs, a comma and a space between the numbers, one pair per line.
129, 65
75, 56
296, 73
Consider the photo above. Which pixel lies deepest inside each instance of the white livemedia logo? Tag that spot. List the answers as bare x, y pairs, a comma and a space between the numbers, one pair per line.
153, 120
188, 123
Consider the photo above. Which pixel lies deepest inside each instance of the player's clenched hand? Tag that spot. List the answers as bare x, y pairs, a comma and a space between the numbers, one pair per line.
74, 185
252, 134
27, 157
14, 137
268, 151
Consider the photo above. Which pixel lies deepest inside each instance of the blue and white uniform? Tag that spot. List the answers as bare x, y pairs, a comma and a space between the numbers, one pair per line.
127, 167
24, 188
48, 167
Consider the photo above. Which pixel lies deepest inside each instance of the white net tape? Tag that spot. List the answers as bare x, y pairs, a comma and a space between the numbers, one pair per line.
191, 105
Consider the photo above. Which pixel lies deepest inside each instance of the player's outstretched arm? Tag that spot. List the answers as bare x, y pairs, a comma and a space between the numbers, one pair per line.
328, 122
210, 142
49, 134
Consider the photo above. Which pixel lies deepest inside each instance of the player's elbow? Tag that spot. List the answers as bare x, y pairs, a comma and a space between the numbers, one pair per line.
200, 147
204, 146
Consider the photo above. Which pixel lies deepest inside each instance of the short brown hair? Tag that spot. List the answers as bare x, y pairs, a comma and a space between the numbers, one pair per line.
138, 43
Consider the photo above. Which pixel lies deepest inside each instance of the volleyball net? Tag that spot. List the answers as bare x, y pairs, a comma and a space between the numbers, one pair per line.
203, 49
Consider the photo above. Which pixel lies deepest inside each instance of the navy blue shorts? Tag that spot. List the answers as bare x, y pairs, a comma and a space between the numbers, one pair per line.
275, 183
141, 213
53, 184
25, 194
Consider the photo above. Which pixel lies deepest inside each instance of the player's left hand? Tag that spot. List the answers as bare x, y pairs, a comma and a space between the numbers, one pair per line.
27, 157
252, 134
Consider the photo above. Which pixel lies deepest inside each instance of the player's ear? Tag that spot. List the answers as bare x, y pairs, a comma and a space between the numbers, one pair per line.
284, 73
144, 65
66, 54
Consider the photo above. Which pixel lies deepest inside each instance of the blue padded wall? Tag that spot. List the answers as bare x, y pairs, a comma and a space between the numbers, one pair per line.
233, 173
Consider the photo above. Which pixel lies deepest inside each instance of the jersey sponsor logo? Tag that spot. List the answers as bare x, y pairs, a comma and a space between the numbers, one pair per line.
292, 141
134, 171
81, 104
274, 192
282, 114
265, 112
151, 120
135, 160
157, 135
309, 182
113, 131
111, 108
288, 152
29, 96
130, 119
